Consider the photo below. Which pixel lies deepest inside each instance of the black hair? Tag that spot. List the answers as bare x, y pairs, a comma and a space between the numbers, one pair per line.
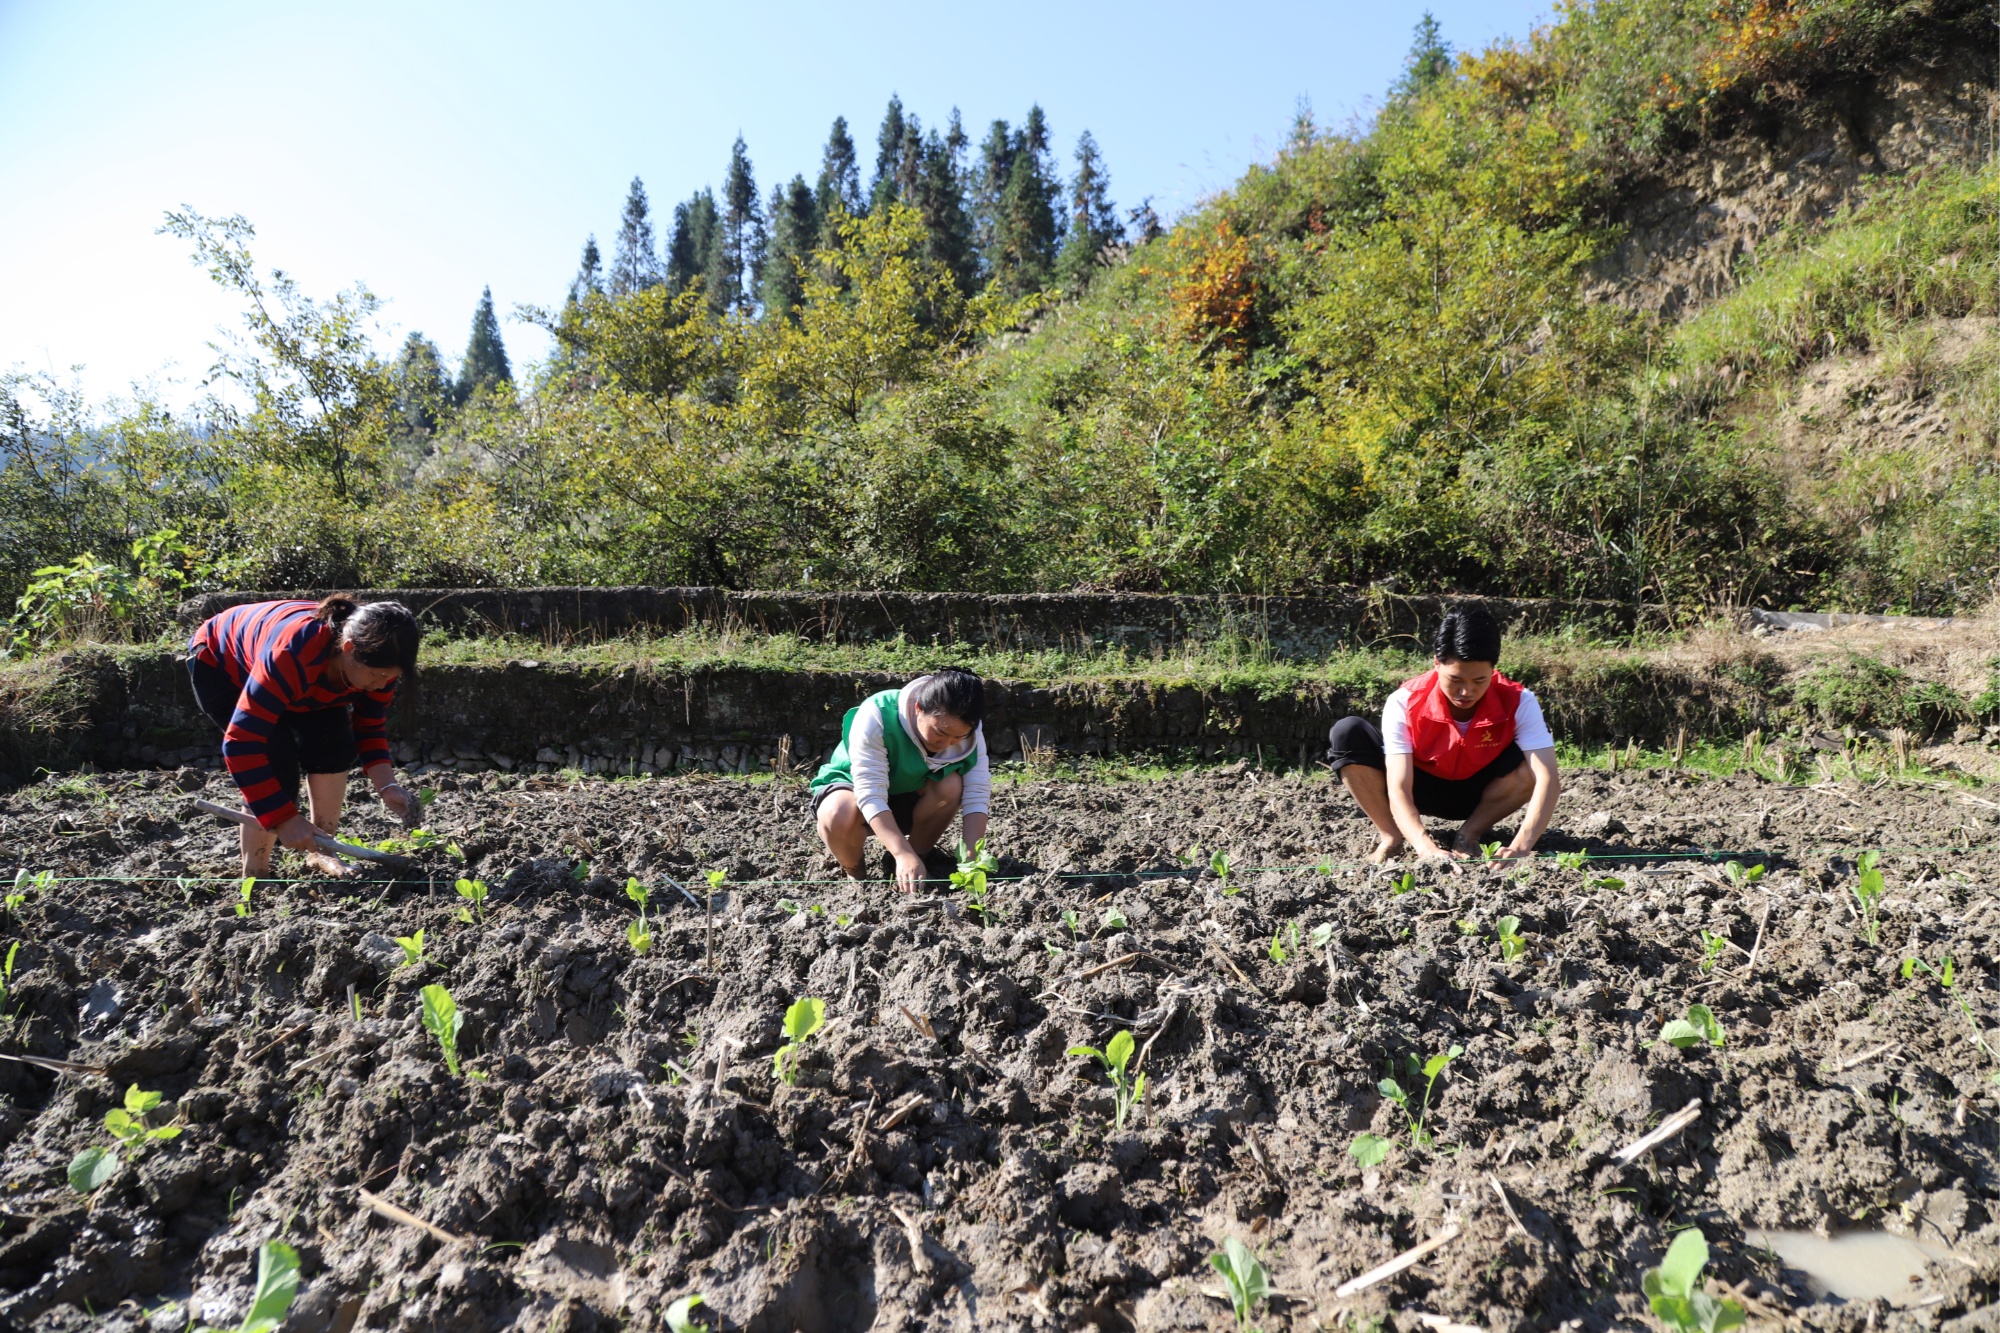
1469, 634
953, 691
384, 634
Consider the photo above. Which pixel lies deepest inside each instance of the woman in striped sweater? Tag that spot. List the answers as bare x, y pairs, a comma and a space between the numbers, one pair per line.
303, 686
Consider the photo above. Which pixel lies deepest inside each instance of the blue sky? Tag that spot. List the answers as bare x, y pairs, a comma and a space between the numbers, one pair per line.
430, 149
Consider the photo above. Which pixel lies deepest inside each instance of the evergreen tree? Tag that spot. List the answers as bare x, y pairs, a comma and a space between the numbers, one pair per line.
989, 188
1017, 197
888, 155
692, 247
485, 355
1429, 61
587, 279
635, 265
1145, 223
794, 231
936, 190
737, 262
839, 174
1093, 222
422, 386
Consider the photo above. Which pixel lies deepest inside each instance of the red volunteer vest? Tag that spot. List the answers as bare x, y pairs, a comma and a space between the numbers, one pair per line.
1434, 740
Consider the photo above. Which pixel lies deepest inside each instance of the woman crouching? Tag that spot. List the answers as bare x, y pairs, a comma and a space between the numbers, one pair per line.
907, 762
303, 686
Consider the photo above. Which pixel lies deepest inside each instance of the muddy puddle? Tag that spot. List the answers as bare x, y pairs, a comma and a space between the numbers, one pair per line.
620, 1138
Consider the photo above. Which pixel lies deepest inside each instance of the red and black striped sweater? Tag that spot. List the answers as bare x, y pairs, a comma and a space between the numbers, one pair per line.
277, 653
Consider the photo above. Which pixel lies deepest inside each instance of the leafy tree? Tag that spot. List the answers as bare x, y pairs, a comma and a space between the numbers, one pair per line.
485, 361
635, 264
737, 261
1428, 62
885, 188
588, 277
1144, 223
691, 250
795, 227
839, 175
1093, 222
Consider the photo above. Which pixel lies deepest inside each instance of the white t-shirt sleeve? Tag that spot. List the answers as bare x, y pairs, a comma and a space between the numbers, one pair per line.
1531, 730
1396, 724
977, 795
868, 760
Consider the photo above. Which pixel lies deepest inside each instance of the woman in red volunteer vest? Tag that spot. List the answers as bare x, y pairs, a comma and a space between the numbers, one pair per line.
303, 686
1459, 742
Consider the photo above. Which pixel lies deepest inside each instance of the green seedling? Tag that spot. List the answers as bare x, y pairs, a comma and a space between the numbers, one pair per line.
425, 795
454, 850
581, 872
1946, 975
1700, 1025
277, 1287
842, 919
474, 892
422, 840
7, 979
128, 1125
802, 1019
413, 949
1467, 927
1248, 1280
716, 879
1572, 860
1429, 1071
636, 932
1127, 1088
1053, 949
1606, 883
680, 1315
790, 906
1402, 884
25, 885
974, 864
1489, 852
977, 857
1276, 953
1220, 864
243, 895
1512, 943
1321, 936
1114, 919
441, 1016
91, 1168
1712, 946
1868, 890
1074, 922
1741, 875
1369, 1149
1674, 1290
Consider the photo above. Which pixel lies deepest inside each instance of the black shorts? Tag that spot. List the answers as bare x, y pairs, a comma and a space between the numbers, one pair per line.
903, 807
1356, 740
319, 740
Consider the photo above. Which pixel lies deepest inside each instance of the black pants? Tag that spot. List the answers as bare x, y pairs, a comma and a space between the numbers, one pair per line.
1356, 740
320, 740
903, 807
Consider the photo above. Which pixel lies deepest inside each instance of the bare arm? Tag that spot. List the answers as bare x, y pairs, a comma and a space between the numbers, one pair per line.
972, 827
1402, 774
1542, 805
909, 865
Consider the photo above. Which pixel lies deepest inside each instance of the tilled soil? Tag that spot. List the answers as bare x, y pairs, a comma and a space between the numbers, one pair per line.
619, 1138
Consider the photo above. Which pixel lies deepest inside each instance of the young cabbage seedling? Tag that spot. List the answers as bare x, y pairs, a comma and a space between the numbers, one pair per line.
422, 840
413, 949
1572, 860
636, 932
1700, 1025
1607, 883
1512, 944
1946, 975
1674, 1290
1249, 1282
127, 1123
1074, 921
1868, 890
243, 895
1712, 946
1220, 864
1114, 919
474, 892
974, 864
1489, 851
1369, 1149
1402, 884
1390, 1088
1127, 1088
456, 851
277, 1287
1741, 875
802, 1019
7, 978
91, 1168
1276, 952
441, 1016
680, 1315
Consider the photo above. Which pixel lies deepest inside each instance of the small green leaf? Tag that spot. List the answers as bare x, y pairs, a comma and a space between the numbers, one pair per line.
277, 1285
636, 891
1392, 1090
137, 1102
1680, 1271
1369, 1149
804, 1018
1705, 1022
89, 1169
1118, 1051
680, 1316
122, 1126
1679, 1032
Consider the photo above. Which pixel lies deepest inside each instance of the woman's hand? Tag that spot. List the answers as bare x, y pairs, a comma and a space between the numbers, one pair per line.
909, 871
399, 801
297, 833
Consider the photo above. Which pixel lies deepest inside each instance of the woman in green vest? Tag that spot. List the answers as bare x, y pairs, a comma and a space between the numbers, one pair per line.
908, 760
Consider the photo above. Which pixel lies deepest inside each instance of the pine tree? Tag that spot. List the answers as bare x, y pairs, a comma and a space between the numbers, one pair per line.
423, 388
888, 155
1145, 222
839, 175
738, 258
485, 361
1428, 62
635, 266
1093, 222
587, 280
692, 247
1017, 221
794, 232
936, 190
989, 190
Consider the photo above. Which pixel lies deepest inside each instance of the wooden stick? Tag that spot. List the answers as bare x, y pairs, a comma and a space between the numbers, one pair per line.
1102, 968
276, 1042
918, 1257
1669, 1127
381, 1207
1750, 967
902, 1111
55, 1066
1407, 1259
1230, 963
1507, 1204
321, 841
1843, 1066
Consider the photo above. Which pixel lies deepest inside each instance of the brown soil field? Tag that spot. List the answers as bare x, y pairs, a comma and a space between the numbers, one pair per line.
619, 1138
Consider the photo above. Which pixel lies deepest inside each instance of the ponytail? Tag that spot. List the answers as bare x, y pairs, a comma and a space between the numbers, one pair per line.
336, 609
384, 634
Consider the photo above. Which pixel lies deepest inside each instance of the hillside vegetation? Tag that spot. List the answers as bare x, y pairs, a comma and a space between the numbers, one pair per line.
1432, 350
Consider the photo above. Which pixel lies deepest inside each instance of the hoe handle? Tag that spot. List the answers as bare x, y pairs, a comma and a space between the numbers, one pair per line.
322, 841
